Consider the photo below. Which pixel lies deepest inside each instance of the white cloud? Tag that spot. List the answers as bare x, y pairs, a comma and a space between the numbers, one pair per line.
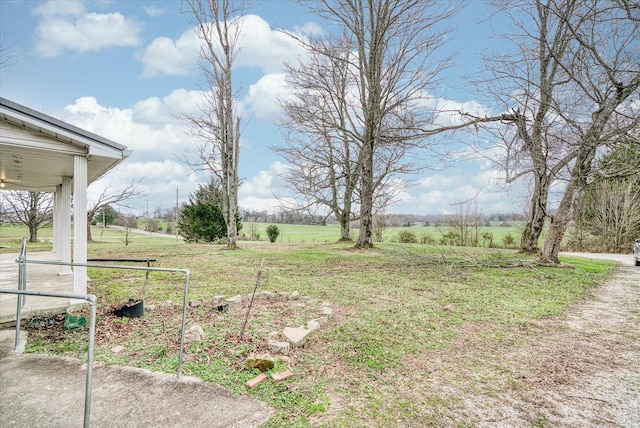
156, 137
259, 45
165, 56
264, 47
68, 26
265, 191
447, 112
262, 98
155, 11
440, 192
159, 111
150, 128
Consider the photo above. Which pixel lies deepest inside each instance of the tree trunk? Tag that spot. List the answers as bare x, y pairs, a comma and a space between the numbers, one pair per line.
345, 228
557, 228
365, 239
562, 217
537, 213
89, 218
33, 233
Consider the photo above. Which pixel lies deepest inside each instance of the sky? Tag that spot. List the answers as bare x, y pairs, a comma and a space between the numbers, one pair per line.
125, 70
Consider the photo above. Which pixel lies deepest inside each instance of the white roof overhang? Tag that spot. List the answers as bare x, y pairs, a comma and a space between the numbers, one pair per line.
37, 150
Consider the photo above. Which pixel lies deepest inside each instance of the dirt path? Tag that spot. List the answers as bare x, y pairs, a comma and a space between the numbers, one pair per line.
581, 370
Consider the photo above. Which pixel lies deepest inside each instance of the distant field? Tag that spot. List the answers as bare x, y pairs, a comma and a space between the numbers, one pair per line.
10, 234
331, 232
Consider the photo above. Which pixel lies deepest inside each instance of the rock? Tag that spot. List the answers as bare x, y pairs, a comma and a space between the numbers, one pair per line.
234, 299
167, 303
295, 336
274, 335
278, 347
217, 300
96, 365
286, 360
194, 334
117, 349
150, 308
313, 325
266, 295
196, 303
322, 321
262, 362
327, 311
295, 295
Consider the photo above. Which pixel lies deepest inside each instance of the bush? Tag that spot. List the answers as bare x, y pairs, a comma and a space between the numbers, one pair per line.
425, 238
407, 237
273, 232
508, 240
450, 238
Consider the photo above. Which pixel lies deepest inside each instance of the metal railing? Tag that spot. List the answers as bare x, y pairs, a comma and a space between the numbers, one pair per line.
22, 292
92, 331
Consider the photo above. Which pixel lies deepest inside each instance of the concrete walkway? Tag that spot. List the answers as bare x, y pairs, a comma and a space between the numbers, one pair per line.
46, 391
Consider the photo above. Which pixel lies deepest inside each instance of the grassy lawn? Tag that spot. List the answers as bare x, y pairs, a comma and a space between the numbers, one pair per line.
414, 329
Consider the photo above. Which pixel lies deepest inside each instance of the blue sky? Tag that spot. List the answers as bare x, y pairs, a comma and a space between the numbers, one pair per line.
124, 69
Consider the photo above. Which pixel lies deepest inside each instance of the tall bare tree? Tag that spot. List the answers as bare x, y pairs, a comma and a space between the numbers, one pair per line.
391, 69
530, 78
218, 24
33, 209
322, 155
566, 86
605, 73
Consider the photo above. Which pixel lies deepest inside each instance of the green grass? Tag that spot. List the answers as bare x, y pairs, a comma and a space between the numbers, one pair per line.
293, 233
407, 320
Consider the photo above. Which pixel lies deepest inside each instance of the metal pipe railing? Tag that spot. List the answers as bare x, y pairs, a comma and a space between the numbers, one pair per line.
185, 301
92, 331
22, 292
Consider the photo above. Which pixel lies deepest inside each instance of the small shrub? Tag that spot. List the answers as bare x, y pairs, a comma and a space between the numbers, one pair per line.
508, 240
273, 232
407, 237
425, 238
487, 239
451, 238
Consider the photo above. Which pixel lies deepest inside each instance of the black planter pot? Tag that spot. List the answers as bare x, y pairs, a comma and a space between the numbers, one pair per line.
133, 309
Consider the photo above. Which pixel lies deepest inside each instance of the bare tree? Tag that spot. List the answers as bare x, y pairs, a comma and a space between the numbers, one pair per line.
33, 209
531, 78
218, 24
608, 210
605, 73
128, 222
110, 196
322, 154
9, 60
466, 221
391, 70
566, 87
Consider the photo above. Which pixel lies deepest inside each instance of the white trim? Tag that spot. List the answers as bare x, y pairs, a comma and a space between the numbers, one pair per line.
80, 223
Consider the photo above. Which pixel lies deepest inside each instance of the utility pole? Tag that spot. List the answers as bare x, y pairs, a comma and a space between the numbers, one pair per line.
176, 214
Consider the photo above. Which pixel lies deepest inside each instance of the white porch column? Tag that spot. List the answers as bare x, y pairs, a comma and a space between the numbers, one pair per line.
57, 210
65, 226
80, 223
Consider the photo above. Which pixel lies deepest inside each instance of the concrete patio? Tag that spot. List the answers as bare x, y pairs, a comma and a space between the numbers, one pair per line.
45, 278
